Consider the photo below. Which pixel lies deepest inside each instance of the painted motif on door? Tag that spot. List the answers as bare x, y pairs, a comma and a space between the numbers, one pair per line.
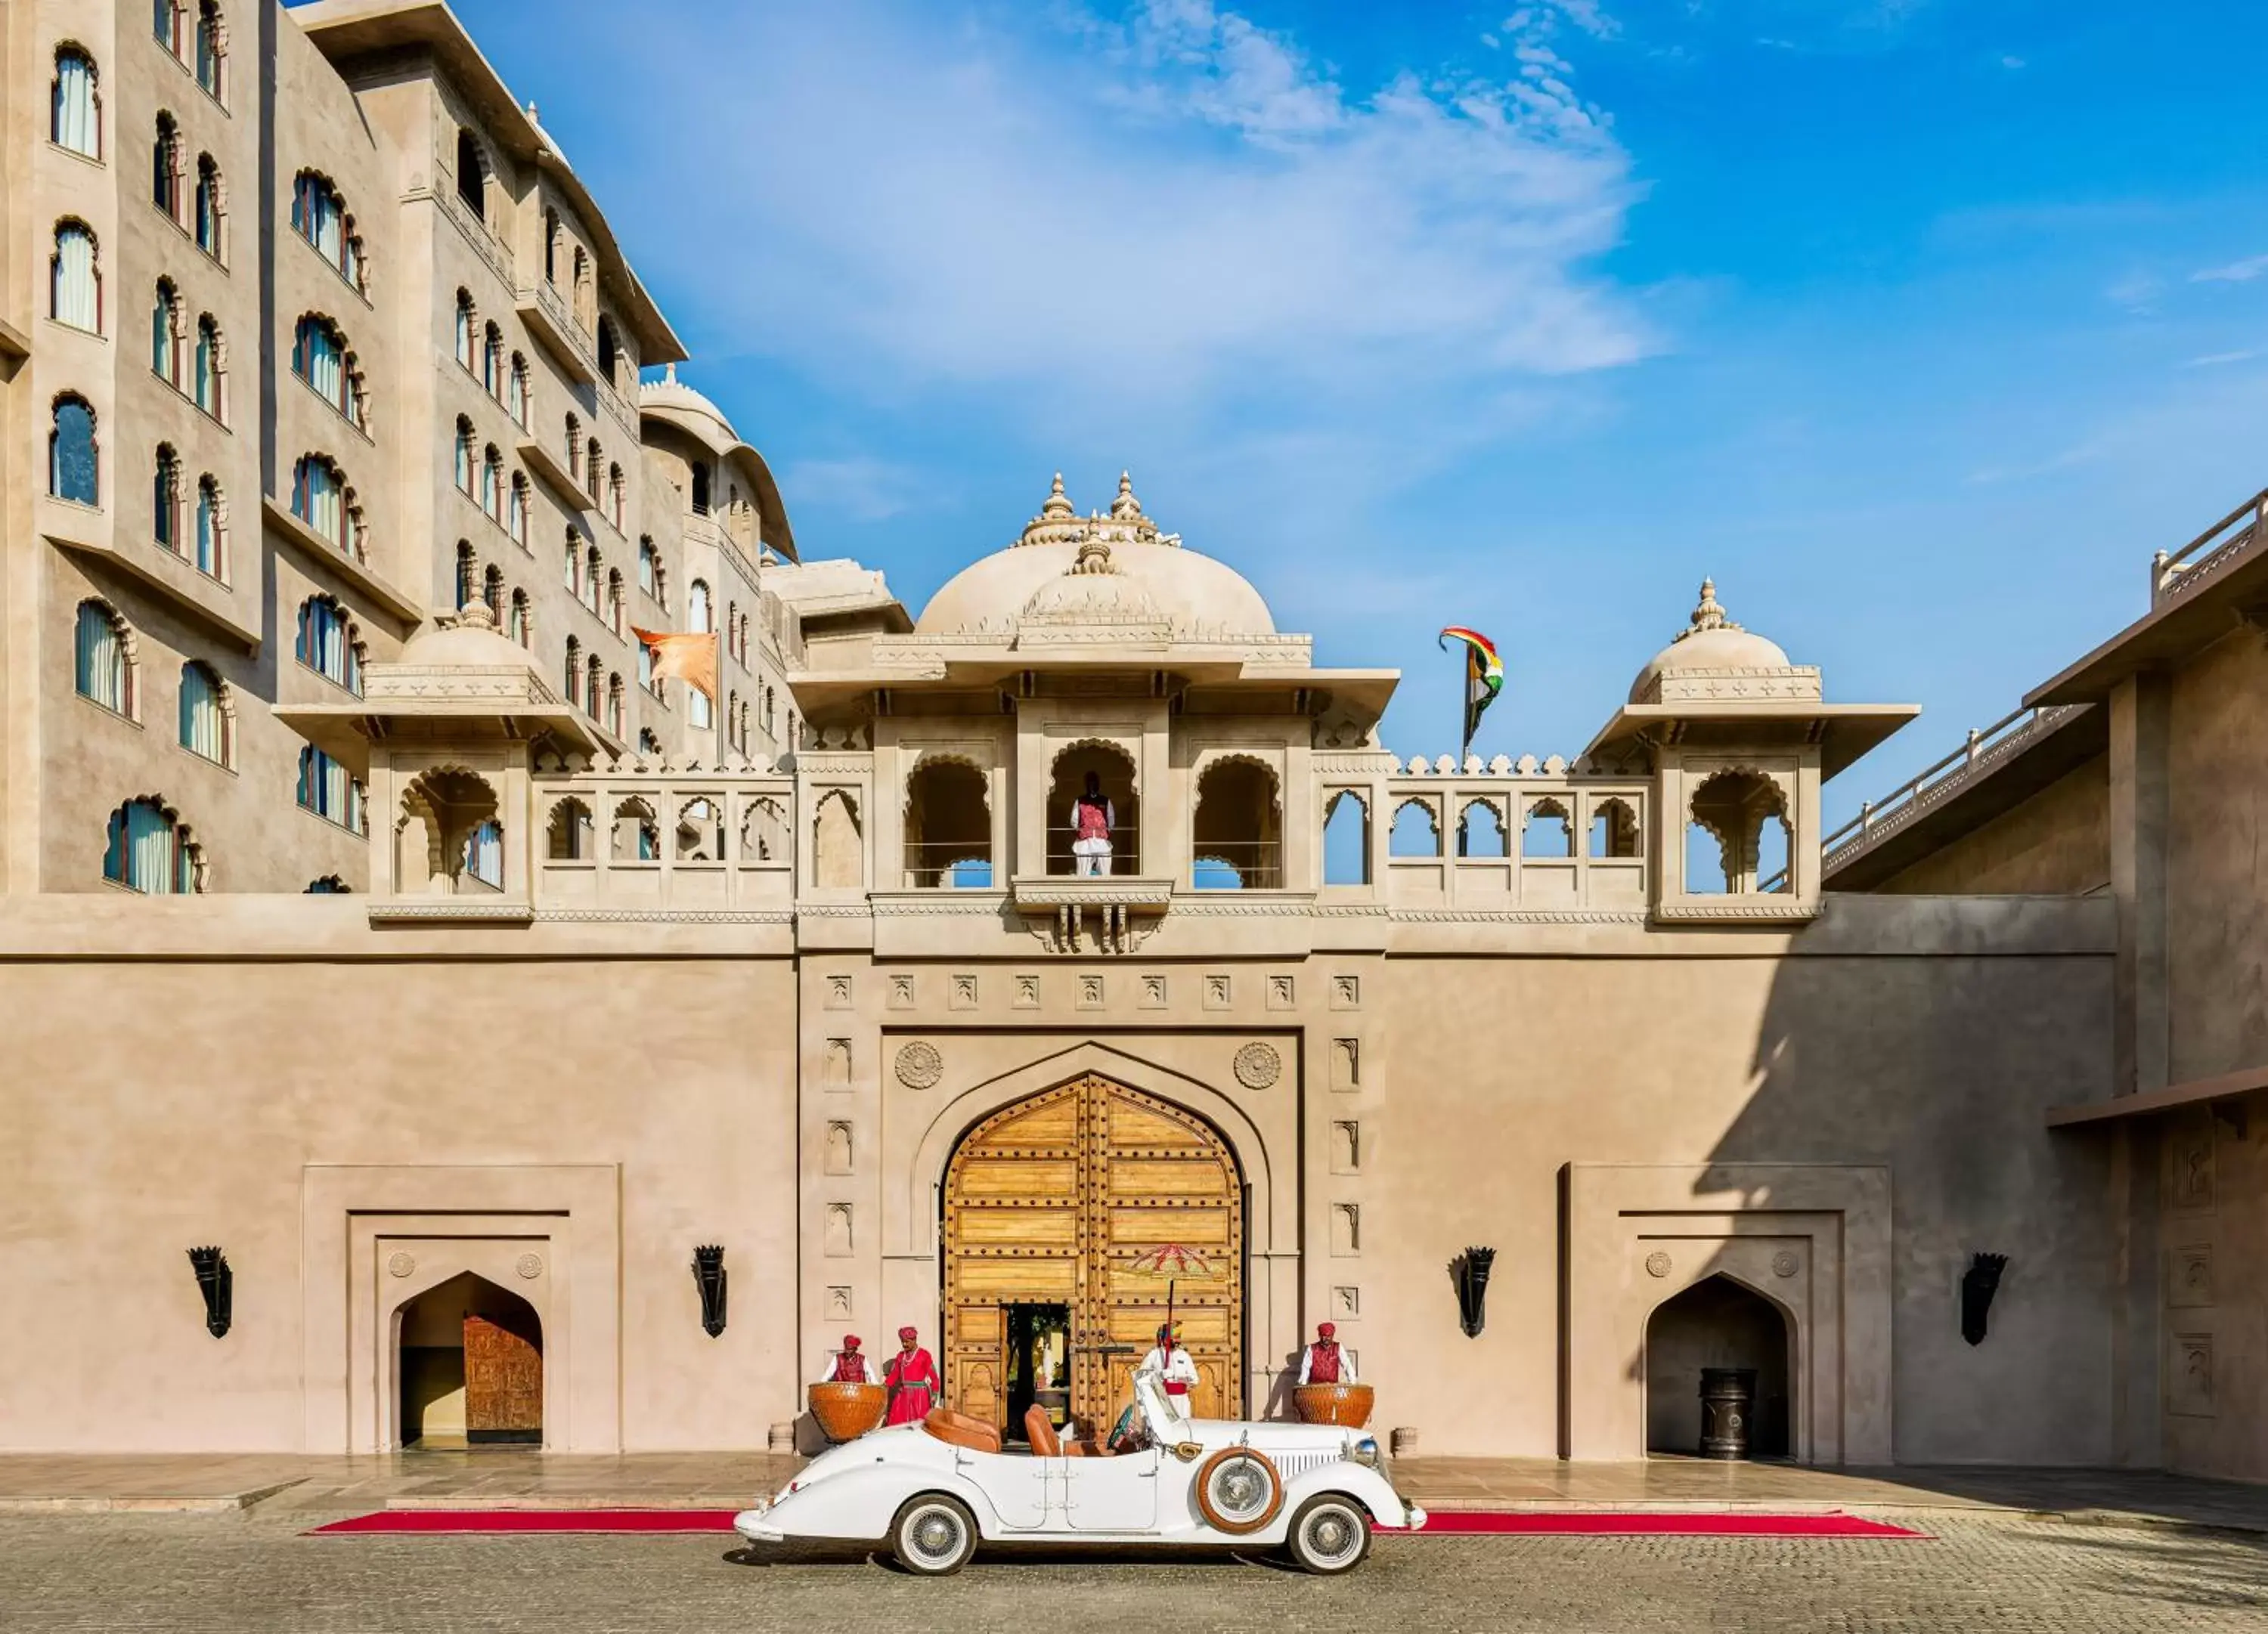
1093, 1197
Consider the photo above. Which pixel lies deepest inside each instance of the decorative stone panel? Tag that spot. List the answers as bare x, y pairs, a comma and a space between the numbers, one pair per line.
920, 1065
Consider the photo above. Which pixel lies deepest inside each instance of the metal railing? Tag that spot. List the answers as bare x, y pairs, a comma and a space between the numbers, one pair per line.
948, 865
1125, 850
2176, 572
1237, 866
1982, 750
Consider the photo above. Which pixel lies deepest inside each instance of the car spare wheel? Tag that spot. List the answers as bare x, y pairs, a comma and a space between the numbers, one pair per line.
1239, 1490
933, 1534
1330, 1533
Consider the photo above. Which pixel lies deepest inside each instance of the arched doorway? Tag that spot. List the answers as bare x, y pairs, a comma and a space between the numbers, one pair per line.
1067, 1216
470, 1359
1716, 1322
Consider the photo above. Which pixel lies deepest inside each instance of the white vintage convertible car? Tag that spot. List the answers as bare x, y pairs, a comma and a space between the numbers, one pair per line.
933, 1490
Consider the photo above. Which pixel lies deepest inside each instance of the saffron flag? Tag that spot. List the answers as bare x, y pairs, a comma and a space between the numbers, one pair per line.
689, 656
1484, 674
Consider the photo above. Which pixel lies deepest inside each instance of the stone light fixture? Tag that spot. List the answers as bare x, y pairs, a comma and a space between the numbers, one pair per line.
1978, 1284
708, 1276
218, 1283
1469, 1272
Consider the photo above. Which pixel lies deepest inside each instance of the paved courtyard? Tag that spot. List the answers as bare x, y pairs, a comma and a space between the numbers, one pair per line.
251, 1572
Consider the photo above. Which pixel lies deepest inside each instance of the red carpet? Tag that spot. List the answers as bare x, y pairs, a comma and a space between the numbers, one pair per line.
1448, 1523
1651, 1523
430, 1521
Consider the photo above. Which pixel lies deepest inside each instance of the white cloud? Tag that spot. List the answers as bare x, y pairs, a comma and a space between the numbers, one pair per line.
2012, 63
1174, 205
2235, 272
2213, 360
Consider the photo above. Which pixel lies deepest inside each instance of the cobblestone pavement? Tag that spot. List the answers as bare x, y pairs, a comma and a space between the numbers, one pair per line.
253, 1574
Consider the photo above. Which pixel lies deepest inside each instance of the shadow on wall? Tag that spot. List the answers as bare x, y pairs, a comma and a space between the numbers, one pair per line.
1940, 1069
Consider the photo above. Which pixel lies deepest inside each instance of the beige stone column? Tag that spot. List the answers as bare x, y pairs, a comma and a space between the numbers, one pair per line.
2141, 723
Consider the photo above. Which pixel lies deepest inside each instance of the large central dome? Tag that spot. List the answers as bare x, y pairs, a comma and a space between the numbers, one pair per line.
1197, 597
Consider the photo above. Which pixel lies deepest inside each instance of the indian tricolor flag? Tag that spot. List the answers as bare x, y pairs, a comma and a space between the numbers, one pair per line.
1484, 674
689, 656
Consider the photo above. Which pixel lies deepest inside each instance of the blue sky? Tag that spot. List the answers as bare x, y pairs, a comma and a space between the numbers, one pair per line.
1917, 323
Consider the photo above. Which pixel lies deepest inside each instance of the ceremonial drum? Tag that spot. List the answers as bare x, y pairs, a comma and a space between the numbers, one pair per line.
1345, 1404
847, 1411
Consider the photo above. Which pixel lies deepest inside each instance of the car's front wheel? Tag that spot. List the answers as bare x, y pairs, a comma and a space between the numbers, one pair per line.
1329, 1534
933, 1535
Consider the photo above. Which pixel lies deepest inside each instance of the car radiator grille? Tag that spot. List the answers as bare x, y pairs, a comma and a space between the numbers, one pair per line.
1293, 1465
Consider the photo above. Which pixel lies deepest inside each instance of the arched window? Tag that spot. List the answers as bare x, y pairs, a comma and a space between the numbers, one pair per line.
465, 320
467, 573
551, 247
206, 726
168, 23
521, 626
574, 673
617, 495
1093, 810
1237, 834
637, 835
492, 361
614, 705
207, 209
516, 391
1481, 830
593, 690
591, 562
74, 278
586, 306
570, 836
166, 335
700, 831
492, 495
330, 644
73, 470
700, 713
103, 658
515, 519
571, 573
1547, 831
649, 742
208, 369
574, 447
733, 627
209, 537
771, 699
75, 110
646, 558
949, 824
212, 50
1613, 828
472, 169
607, 349
319, 497
1347, 839
166, 500
320, 357
150, 851
165, 167
328, 789
614, 600
463, 464
592, 461
1741, 815
700, 488
696, 605
1416, 830
661, 586
492, 588
329, 885
319, 216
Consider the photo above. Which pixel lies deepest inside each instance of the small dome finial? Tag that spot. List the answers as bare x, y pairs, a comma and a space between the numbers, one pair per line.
669, 372
1125, 508
476, 613
1709, 614
1057, 505
1094, 557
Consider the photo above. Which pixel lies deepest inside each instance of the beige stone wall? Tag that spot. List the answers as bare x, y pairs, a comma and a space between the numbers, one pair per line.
2057, 840
2213, 1363
178, 1104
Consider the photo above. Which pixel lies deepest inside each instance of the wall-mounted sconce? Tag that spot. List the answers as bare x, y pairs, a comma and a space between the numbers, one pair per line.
1469, 1272
1978, 1284
218, 1283
708, 1274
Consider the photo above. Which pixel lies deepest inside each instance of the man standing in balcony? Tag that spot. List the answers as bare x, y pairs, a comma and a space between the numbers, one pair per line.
1091, 820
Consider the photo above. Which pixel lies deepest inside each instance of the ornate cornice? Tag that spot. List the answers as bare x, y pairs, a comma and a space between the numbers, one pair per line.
677, 916
444, 909
1692, 911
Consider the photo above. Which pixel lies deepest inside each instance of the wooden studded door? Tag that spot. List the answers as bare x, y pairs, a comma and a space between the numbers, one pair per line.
503, 1382
1098, 1197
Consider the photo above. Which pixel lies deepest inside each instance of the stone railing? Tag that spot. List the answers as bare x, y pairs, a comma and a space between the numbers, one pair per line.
2175, 573
1525, 836
1934, 784
644, 838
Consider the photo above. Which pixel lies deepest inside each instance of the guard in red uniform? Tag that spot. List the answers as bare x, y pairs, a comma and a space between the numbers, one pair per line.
911, 1376
851, 1366
1323, 1361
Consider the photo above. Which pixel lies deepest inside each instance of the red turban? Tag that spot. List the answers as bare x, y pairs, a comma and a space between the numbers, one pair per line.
1324, 1330
908, 1333
850, 1341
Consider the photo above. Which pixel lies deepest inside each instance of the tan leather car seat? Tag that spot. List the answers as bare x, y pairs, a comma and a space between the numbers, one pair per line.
1040, 1431
960, 1430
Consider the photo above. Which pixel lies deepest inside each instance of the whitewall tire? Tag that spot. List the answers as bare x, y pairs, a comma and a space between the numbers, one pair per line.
933, 1535
1329, 1534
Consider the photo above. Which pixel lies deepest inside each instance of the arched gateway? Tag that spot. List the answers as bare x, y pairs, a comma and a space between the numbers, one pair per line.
1066, 1216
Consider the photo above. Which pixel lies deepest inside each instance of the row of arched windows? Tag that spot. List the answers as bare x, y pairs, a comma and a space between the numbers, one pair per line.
105, 672
322, 357
584, 573
634, 835
192, 362
196, 530
479, 349
591, 688
605, 483
481, 479
193, 203
198, 41
323, 499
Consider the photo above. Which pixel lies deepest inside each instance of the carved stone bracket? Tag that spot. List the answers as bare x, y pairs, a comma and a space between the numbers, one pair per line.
1109, 915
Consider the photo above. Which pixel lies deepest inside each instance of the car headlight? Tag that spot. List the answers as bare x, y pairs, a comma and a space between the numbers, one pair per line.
1365, 1452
